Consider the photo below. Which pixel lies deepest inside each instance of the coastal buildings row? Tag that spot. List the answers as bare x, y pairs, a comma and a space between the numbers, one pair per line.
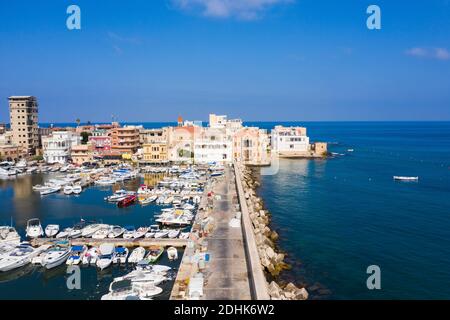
222, 140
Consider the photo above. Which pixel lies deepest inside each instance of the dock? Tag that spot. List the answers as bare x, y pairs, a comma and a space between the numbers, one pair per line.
129, 243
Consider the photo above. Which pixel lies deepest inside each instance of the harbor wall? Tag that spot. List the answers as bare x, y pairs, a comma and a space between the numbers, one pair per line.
258, 283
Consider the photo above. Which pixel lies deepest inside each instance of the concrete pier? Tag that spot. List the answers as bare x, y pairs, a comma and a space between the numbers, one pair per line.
142, 242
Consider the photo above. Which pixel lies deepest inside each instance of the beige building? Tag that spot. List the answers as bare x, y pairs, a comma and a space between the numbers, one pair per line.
155, 148
251, 146
125, 140
23, 111
82, 153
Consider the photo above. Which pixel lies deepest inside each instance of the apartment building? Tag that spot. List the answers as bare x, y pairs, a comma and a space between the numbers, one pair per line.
23, 113
125, 140
58, 146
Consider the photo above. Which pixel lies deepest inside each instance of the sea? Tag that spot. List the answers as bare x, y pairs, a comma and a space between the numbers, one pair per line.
337, 218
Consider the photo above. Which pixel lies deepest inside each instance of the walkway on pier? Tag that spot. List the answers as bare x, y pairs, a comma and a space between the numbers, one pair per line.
227, 273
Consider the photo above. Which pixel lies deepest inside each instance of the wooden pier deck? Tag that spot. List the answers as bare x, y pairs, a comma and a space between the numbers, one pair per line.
142, 242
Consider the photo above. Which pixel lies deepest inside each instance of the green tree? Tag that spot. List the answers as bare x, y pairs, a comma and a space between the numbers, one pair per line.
85, 137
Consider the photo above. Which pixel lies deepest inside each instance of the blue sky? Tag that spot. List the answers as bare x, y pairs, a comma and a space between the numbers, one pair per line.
305, 60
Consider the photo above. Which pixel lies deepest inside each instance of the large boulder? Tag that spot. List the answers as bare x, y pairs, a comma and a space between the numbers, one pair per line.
301, 294
274, 290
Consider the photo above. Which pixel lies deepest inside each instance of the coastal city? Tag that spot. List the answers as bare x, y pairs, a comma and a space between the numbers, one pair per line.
210, 219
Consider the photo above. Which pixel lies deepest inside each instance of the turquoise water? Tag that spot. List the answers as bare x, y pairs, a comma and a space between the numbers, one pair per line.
20, 203
336, 217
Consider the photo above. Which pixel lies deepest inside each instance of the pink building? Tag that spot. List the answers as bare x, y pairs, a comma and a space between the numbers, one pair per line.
101, 143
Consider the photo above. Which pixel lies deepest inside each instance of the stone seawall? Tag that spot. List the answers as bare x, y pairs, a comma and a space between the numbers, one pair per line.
261, 241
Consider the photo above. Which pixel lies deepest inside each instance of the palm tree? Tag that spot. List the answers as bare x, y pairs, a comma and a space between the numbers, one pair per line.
78, 122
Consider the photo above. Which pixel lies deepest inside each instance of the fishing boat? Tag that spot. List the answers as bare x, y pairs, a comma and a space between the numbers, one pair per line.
172, 253
34, 228
90, 257
154, 254
121, 255
115, 232
140, 232
400, 178
68, 190
51, 230
137, 255
55, 256
19, 257
50, 190
128, 201
76, 255
9, 235
106, 255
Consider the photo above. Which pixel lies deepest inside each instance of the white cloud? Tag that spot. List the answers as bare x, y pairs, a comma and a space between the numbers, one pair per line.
241, 9
433, 53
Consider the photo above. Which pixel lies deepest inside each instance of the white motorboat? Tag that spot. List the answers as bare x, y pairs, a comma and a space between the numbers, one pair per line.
76, 255
156, 268
7, 172
9, 235
32, 170
77, 189
169, 200
55, 256
106, 256
137, 255
50, 190
121, 255
51, 230
68, 190
90, 257
140, 232
105, 181
173, 234
89, 230
148, 199
119, 195
161, 234
102, 233
406, 178
115, 232
5, 249
22, 164
34, 228
129, 232
143, 276
176, 221
19, 257
172, 253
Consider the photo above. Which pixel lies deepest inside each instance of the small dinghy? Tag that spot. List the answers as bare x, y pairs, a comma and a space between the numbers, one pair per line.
172, 253
68, 190
77, 189
102, 233
399, 178
116, 231
161, 234
136, 255
139, 233
51, 230
154, 254
129, 232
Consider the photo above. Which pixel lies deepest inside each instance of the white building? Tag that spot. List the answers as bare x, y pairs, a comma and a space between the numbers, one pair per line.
58, 146
290, 141
213, 145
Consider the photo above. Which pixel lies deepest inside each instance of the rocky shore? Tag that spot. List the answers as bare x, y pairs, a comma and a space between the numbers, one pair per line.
271, 261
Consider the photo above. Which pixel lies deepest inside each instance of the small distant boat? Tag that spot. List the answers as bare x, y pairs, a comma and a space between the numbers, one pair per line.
115, 232
51, 230
77, 189
136, 255
154, 254
34, 228
68, 190
50, 190
400, 178
172, 253
350, 150
128, 201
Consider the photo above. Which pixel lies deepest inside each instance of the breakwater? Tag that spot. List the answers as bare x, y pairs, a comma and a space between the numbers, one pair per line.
261, 243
